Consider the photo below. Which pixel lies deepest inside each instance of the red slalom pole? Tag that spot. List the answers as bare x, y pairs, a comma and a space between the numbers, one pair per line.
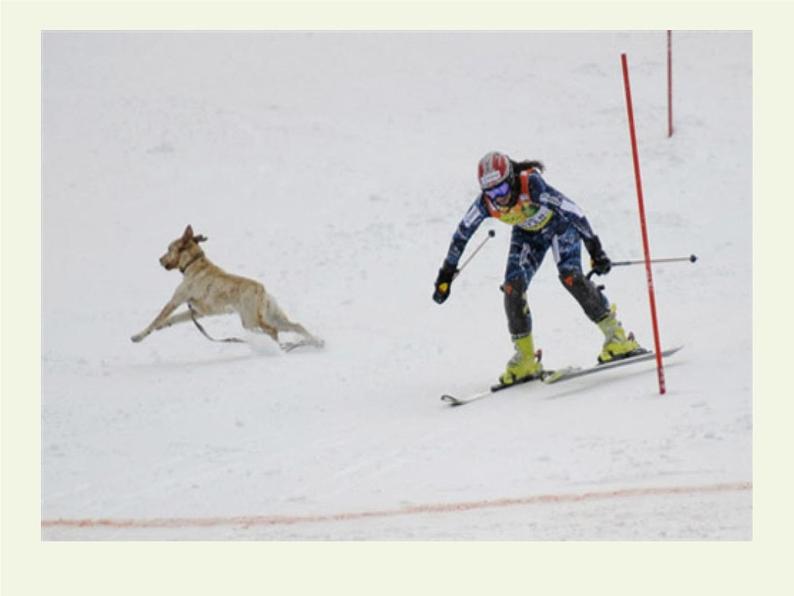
669, 83
645, 246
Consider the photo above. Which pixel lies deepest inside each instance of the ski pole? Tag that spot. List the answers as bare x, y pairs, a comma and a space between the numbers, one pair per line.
690, 258
491, 234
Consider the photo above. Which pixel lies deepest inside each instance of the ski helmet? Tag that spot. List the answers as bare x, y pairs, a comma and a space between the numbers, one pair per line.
494, 169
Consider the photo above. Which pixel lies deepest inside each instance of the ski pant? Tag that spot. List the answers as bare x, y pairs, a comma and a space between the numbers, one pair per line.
527, 250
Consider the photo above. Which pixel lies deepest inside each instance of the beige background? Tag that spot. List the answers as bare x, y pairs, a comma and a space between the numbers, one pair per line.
30, 566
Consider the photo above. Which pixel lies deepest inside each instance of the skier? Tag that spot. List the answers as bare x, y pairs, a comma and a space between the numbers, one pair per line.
541, 216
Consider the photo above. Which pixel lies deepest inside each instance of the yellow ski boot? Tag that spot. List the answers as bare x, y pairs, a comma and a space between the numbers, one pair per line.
617, 344
524, 364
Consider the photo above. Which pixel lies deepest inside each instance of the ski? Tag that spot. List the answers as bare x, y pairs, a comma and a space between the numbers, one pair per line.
549, 377
572, 372
459, 401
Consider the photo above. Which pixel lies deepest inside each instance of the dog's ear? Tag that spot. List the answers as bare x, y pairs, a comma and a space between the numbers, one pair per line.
200, 238
188, 233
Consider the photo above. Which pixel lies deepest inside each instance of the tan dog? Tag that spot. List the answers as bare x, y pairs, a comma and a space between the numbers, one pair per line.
209, 290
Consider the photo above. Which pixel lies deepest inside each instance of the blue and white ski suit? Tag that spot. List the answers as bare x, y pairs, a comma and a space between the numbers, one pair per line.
542, 217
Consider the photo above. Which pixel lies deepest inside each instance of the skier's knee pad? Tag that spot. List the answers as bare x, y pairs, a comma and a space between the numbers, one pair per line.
519, 321
586, 293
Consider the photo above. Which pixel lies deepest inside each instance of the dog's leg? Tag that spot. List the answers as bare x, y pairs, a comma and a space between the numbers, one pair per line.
269, 329
252, 315
282, 322
252, 320
159, 320
288, 325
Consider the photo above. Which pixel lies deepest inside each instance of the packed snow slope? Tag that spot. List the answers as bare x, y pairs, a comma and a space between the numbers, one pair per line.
334, 167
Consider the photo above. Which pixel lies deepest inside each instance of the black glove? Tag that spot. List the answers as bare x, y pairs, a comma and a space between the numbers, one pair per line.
599, 260
444, 282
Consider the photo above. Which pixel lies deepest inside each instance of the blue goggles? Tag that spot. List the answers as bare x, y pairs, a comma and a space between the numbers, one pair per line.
499, 194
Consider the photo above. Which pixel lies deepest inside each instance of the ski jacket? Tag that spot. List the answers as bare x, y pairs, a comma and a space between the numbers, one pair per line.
539, 207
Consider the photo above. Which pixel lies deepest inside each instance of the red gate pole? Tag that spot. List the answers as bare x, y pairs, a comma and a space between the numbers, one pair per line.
646, 249
669, 83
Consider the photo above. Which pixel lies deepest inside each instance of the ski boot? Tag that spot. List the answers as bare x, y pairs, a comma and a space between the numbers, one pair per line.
524, 364
617, 345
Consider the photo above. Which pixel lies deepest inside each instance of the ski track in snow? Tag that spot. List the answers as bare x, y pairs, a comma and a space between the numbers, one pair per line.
342, 199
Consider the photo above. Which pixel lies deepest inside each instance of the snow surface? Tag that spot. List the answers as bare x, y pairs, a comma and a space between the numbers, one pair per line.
333, 167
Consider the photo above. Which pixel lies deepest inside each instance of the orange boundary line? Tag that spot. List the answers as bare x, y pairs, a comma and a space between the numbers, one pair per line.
280, 520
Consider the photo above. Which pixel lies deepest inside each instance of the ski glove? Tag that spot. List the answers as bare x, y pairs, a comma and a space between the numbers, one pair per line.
444, 282
599, 260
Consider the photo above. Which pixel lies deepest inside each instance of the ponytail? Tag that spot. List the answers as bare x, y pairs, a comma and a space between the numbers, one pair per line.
520, 166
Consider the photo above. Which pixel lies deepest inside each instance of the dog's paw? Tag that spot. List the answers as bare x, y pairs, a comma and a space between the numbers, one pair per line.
137, 338
314, 343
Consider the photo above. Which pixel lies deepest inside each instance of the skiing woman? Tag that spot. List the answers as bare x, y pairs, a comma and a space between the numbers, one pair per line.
516, 194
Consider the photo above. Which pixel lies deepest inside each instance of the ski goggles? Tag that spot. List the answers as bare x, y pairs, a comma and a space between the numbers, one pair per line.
499, 194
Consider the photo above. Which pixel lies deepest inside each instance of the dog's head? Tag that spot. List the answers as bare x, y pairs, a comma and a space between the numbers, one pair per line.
183, 251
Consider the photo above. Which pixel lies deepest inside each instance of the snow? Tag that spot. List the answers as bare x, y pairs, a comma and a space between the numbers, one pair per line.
334, 167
